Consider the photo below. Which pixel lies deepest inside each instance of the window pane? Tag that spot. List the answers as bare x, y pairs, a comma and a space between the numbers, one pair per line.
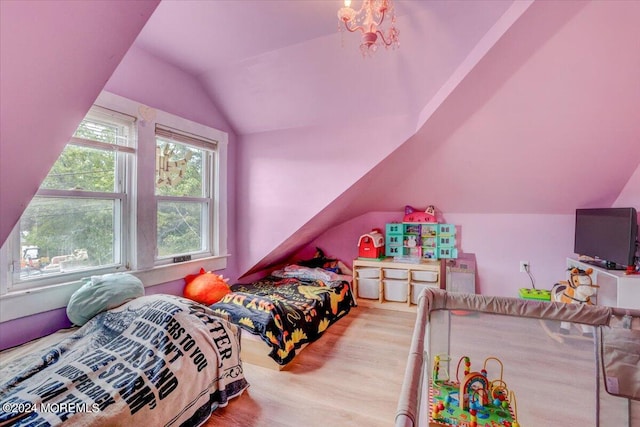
180, 228
81, 168
178, 169
97, 130
63, 235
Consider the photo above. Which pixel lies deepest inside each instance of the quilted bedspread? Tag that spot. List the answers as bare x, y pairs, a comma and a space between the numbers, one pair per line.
286, 312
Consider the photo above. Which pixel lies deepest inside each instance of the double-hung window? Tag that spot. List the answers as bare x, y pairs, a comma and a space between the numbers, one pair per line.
135, 189
77, 220
183, 187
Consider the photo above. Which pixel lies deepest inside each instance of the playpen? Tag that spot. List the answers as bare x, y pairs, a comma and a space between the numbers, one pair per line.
588, 377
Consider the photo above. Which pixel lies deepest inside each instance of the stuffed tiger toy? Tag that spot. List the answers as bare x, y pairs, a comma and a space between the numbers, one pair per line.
577, 290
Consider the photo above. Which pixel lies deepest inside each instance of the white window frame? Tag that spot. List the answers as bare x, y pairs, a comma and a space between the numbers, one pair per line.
119, 195
209, 166
141, 246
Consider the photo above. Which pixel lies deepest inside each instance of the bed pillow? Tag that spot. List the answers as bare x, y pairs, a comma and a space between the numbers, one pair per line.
301, 272
101, 293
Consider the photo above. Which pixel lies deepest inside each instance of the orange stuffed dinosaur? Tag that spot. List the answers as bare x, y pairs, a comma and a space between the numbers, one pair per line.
206, 287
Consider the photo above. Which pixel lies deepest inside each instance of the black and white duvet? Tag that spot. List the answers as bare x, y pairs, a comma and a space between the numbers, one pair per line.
157, 360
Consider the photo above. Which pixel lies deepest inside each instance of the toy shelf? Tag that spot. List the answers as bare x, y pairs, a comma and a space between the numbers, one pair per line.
395, 285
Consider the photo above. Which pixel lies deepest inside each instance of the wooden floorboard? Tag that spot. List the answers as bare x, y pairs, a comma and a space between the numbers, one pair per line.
351, 377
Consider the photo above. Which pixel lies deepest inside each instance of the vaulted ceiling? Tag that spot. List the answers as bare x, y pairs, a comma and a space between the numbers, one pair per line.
282, 64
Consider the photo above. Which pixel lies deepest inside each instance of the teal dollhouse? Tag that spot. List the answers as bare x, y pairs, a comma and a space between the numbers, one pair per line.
424, 240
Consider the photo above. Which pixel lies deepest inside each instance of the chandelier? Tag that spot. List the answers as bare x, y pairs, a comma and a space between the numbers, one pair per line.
368, 20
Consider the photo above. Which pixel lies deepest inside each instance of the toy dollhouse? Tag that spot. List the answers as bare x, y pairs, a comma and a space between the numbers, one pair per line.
371, 245
424, 240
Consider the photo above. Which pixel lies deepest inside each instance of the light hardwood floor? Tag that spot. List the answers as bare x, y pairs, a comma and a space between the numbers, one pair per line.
351, 377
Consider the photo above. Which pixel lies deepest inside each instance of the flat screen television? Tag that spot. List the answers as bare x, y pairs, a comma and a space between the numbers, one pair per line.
608, 235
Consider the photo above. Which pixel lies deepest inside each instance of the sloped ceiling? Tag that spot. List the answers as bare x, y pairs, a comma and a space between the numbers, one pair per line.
548, 121
55, 58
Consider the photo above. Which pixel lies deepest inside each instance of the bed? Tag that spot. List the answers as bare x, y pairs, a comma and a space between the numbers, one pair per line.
582, 380
286, 311
155, 360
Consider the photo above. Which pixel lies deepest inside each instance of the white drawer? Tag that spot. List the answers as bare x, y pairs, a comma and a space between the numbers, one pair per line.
424, 276
395, 290
369, 288
368, 273
394, 273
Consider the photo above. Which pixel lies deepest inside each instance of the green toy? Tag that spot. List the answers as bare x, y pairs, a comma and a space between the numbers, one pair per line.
537, 294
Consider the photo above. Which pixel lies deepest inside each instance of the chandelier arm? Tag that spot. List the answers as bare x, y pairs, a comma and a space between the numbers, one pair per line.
353, 30
377, 24
383, 39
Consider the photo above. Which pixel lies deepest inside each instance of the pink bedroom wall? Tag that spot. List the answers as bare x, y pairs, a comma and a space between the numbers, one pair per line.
55, 59
285, 177
499, 242
19, 331
630, 197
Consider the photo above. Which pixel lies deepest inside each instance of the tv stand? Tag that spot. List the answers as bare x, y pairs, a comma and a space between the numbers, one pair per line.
617, 289
606, 265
